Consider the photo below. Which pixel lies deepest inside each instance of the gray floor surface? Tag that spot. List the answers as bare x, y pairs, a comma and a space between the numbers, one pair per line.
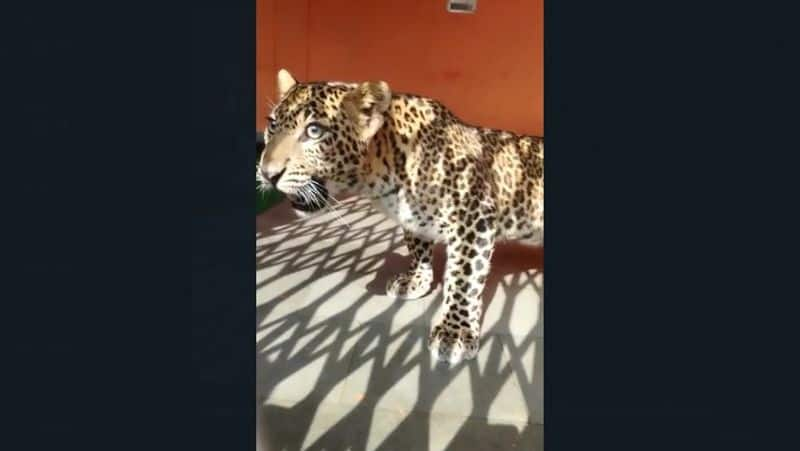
341, 366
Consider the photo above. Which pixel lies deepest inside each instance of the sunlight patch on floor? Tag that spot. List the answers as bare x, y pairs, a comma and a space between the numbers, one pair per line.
299, 384
446, 428
456, 397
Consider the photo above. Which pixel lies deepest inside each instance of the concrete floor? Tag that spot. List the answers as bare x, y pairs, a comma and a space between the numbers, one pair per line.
340, 366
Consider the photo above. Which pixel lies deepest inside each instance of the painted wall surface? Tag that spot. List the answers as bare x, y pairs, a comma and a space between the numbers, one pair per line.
487, 67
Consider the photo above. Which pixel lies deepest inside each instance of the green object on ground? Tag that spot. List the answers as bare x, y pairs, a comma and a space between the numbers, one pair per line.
266, 199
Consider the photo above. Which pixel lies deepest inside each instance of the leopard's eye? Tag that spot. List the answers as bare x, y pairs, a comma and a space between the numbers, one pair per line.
272, 124
314, 131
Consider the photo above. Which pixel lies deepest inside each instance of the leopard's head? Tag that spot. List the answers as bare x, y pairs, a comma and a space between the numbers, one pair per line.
317, 138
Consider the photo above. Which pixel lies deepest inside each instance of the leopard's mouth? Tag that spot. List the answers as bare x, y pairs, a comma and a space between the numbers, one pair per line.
311, 197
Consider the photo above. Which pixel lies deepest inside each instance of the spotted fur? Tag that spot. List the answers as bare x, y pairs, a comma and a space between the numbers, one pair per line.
440, 179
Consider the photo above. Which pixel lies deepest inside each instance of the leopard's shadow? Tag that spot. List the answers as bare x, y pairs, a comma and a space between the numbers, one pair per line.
388, 346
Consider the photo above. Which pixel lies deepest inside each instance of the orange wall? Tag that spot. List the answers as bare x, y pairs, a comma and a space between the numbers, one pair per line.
487, 67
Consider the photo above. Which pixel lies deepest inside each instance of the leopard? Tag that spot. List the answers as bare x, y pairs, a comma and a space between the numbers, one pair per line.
442, 180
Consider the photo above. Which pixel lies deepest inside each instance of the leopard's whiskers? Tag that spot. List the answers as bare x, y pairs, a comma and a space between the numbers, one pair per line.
328, 206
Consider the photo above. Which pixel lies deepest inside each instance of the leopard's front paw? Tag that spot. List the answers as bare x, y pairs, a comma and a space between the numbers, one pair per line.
409, 285
452, 345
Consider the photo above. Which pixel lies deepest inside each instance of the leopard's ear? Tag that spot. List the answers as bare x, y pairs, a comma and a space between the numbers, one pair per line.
285, 82
365, 105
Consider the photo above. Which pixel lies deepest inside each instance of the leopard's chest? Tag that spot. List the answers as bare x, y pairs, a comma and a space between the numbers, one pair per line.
410, 215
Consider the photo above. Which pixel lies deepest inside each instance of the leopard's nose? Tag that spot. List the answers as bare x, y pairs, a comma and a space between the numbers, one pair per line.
273, 178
